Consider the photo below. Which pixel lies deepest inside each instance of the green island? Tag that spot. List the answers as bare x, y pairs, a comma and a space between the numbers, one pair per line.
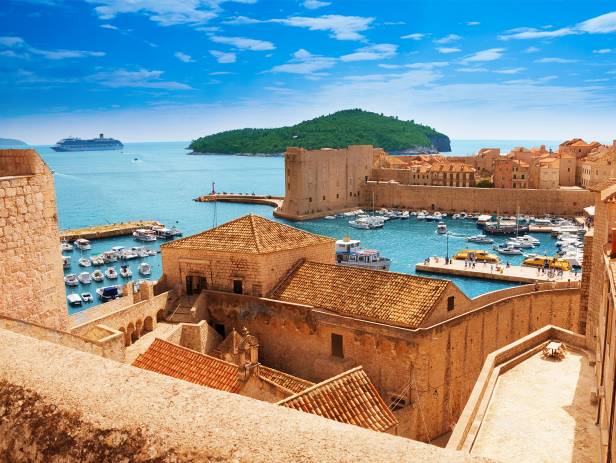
337, 130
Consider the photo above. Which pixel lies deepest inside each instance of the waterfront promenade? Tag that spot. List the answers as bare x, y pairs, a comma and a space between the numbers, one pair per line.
106, 230
513, 273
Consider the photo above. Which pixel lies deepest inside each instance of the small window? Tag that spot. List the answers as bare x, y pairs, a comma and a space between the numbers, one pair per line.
337, 195
220, 329
397, 402
237, 286
310, 199
337, 350
451, 302
323, 198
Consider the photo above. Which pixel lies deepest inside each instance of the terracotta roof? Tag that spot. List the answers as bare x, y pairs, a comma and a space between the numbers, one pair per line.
348, 398
249, 234
393, 298
172, 360
292, 383
597, 187
451, 167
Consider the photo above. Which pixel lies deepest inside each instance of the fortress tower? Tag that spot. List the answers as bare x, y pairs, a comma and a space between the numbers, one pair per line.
31, 285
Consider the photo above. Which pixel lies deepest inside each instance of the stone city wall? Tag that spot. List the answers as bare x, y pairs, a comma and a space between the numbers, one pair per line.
434, 369
31, 277
117, 412
493, 200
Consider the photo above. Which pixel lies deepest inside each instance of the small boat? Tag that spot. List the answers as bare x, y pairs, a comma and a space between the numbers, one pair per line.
543, 222
109, 293
547, 262
482, 239
84, 278
151, 252
507, 249
83, 244
368, 223
404, 215
349, 253
111, 273
483, 219
145, 269
463, 215
97, 275
414, 213
71, 280
517, 243
87, 297
430, 218
330, 217
421, 216
109, 256
85, 262
128, 254
66, 262
126, 272
456, 216
441, 228
141, 251
141, 234
478, 255
65, 246
74, 299
97, 260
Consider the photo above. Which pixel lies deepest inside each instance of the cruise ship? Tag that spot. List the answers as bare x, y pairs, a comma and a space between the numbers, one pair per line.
95, 144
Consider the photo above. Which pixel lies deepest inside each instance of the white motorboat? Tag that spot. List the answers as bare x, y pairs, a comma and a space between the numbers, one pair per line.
430, 218
368, 223
71, 280
145, 269
109, 293
141, 234
126, 272
85, 262
483, 219
349, 252
421, 216
109, 256
66, 262
437, 216
456, 216
444, 215
97, 260
404, 215
97, 275
463, 215
111, 273
530, 239
141, 251
84, 278
482, 239
164, 232
543, 222
517, 243
441, 228
151, 252
509, 250
330, 217
128, 254
83, 244
87, 297
414, 213
65, 246
74, 299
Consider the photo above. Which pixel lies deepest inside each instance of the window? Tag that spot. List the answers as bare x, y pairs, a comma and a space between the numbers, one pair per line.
220, 329
451, 302
397, 402
337, 350
323, 198
337, 195
310, 199
237, 286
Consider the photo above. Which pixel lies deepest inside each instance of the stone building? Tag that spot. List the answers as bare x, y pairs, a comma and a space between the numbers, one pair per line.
511, 173
30, 258
544, 173
452, 174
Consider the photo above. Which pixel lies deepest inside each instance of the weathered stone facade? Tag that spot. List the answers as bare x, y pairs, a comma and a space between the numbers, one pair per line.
31, 285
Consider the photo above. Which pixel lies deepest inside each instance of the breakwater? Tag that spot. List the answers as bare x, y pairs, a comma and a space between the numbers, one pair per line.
268, 200
106, 230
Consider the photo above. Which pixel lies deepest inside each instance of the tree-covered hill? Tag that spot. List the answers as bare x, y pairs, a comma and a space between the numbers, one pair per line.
337, 130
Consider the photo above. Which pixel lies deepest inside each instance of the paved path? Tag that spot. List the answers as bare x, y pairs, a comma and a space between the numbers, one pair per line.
515, 273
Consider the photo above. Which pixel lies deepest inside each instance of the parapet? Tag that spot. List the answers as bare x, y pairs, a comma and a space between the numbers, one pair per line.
61, 404
16, 162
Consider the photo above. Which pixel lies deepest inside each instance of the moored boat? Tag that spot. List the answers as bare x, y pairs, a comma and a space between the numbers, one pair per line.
111, 273
85, 262
507, 249
141, 234
87, 297
84, 278
71, 280
66, 262
83, 244
97, 275
481, 239
97, 260
109, 293
74, 299
478, 255
349, 252
126, 272
65, 246
441, 228
145, 269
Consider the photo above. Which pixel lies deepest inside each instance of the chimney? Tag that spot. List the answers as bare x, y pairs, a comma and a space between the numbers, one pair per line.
248, 355
613, 243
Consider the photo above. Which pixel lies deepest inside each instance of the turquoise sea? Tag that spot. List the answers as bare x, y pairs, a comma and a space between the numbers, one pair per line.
158, 181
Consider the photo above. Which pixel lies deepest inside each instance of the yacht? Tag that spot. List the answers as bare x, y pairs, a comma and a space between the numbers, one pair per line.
518, 243
109, 293
141, 234
481, 239
83, 244
87, 297
126, 272
543, 222
65, 246
66, 262
97, 260
109, 256
71, 280
507, 249
349, 252
74, 299
145, 269
97, 275
421, 216
483, 219
85, 262
84, 278
93, 144
172, 232
441, 228
141, 251
111, 273
367, 223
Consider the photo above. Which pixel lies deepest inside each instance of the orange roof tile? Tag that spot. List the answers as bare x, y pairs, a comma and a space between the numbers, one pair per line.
348, 398
290, 382
598, 187
179, 362
394, 298
250, 234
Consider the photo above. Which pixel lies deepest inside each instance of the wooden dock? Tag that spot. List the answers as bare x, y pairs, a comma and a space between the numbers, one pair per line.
107, 230
515, 273
274, 201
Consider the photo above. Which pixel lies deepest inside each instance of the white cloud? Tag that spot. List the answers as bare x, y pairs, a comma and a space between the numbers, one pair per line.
491, 54
473, 69
603, 51
555, 60
183, 57
532, 50
340, 27
533, 33
304, 62
220, 73
19, 48
12, 41
372, 52
428, 65
315, 4
414, 36
603, 24
448, 50
448, 38
223, 57
473, 23
142, 78
243, 43
109, 26
509, 71
596, 80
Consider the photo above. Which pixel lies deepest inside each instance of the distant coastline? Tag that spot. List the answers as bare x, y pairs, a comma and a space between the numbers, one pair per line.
11, 143
254, 155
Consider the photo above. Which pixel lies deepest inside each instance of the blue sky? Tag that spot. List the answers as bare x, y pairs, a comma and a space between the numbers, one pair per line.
178, 69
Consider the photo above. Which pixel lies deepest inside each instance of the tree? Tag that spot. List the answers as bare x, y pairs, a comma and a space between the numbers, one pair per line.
484, 183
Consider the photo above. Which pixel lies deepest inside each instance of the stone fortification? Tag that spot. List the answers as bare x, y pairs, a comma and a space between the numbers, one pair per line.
31, 285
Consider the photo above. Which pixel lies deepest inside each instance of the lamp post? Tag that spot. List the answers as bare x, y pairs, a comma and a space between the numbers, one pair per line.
447, 248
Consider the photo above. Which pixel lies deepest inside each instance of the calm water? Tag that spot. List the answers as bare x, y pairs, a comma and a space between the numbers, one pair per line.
159, 181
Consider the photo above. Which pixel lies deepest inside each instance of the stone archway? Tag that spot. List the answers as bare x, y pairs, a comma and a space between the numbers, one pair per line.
130, 331
160, 315
148, 324
126, 337
139, 328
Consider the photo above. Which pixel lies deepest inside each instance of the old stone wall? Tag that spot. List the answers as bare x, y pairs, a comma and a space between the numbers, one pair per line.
433, 369
504, 201
199, 336
31, 276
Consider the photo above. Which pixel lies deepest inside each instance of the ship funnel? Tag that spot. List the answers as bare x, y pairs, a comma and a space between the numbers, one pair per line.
100, 135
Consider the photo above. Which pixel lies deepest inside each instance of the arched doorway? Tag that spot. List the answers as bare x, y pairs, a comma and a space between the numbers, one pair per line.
130, 331
126, 337
160, 315
139, 328
148, 324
